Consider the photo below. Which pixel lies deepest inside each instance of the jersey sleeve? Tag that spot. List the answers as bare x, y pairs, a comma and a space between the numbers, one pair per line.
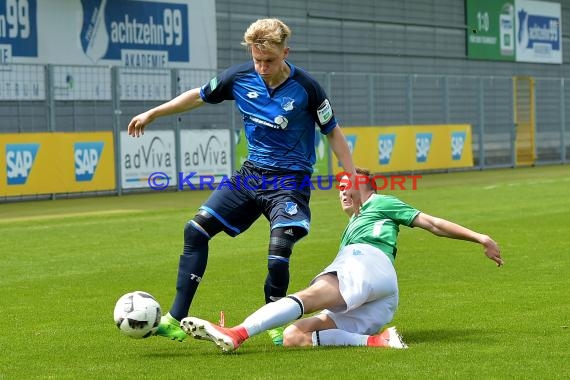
399, 211
318, 104
220, 87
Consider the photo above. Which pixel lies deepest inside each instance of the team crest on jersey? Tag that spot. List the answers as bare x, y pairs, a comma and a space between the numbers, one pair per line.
291, 208
287, 104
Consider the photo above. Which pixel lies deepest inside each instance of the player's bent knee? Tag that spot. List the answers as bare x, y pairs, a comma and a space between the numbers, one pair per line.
295, 337
197, 233
193, 232
204, 223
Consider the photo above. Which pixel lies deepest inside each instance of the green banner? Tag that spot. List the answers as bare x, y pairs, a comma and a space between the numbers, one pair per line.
321, 166
490, 29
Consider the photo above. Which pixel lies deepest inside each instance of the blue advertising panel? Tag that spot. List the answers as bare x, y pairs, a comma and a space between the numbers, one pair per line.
18, 29
539, 31
139, 33
127, 33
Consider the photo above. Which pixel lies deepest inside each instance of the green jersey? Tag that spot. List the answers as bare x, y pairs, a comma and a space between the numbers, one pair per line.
378, 223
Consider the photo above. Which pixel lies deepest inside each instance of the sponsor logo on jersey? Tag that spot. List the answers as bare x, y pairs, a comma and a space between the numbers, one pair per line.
87, 156
213, 83
252, 95
325, 112
19, 162
281, 121
423, 144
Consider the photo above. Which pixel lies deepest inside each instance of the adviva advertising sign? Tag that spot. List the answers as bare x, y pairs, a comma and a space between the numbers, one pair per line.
206, 152
153, 152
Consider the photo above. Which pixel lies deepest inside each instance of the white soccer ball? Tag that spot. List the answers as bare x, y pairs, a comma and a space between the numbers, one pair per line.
137, 314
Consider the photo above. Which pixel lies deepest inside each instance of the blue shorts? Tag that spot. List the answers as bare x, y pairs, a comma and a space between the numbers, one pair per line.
251, 191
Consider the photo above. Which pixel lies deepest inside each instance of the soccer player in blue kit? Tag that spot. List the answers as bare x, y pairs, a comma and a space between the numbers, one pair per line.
280, 104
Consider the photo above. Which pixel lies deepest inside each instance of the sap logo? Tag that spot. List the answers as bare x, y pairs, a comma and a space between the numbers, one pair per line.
351, 141
423, 143
19, 161
385, 147
87, 156
457, 143
212, 154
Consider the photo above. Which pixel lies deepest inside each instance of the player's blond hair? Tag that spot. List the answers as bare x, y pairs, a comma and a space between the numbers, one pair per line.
267, 33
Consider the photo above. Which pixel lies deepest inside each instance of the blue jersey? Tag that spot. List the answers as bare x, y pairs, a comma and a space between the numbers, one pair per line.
279, 123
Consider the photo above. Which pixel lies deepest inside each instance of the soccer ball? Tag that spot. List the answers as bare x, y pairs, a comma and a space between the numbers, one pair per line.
137, 314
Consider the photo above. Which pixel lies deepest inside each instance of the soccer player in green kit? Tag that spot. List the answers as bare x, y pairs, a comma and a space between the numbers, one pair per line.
358, 291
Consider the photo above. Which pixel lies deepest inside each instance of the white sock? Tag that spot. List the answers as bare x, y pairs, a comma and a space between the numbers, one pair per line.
273, 314
336, 337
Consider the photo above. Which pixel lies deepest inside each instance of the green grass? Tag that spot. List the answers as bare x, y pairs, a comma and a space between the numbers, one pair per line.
64, 263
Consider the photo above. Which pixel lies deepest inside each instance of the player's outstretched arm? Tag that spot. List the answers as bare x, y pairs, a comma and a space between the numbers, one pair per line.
446, 228
184, 102
339, 146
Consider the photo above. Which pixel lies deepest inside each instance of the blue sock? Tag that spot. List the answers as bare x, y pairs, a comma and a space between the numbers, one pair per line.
277, 280
191, 268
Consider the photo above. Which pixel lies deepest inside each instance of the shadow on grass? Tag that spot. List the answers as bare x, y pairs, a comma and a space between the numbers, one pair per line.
204, 352
411, 337
466, 335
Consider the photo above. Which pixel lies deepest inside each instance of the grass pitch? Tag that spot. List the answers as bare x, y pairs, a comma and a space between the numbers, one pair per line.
64, 263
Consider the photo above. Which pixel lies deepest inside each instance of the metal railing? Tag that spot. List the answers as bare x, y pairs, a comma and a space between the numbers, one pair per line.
46, 98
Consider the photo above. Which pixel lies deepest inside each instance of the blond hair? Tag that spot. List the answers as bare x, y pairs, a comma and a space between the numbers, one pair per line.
266, 33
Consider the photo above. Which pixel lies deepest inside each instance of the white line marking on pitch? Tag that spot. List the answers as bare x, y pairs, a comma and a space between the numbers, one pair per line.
67, 215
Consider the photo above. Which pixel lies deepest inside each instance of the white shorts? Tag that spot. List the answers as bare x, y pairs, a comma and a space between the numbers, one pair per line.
369, 286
